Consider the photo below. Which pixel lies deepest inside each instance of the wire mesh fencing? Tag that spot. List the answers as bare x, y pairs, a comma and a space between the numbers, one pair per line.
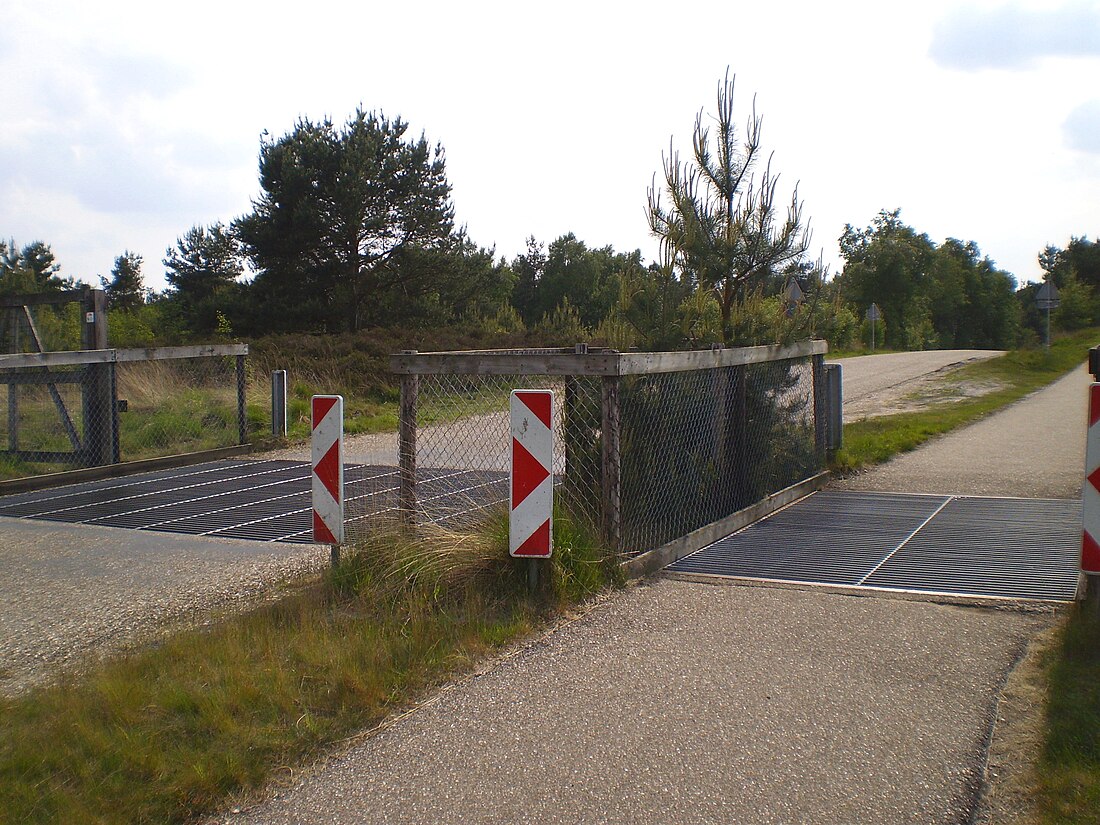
647, 447
65, 410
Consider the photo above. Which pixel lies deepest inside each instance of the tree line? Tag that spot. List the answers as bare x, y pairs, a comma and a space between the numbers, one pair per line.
354, 228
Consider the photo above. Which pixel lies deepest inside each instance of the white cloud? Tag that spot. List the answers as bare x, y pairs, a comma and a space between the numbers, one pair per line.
1082, 128
1013, 36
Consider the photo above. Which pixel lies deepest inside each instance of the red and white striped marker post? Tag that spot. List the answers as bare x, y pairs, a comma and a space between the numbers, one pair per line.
328, 470
1090, 495
532, 478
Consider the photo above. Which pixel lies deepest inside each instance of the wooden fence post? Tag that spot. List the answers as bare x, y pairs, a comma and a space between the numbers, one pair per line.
611, 466
242, 416
820, 408
410, 390
98, 400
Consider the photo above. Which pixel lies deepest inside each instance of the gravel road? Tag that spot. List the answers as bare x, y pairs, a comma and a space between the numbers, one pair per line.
683, 702
677, 702
70, 592
878, 384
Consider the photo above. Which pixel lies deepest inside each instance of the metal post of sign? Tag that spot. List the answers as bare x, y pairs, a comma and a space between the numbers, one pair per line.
1047, 298
873, 314
278, 403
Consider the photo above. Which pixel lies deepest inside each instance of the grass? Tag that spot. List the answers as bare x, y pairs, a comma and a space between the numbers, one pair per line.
1067, 775
1017, 374
1069, 768
175, 731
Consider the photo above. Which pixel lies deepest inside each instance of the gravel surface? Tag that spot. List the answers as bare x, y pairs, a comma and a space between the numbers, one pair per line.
678, 702
899, 381
1034, 448
669, 702
68, 592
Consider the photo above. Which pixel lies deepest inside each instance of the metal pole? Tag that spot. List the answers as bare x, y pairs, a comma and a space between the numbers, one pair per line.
116, 448
278, 403
242, 428
406, 447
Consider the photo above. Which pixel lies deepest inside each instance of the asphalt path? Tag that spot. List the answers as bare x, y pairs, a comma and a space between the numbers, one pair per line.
866, 376
1034, 448
676, 701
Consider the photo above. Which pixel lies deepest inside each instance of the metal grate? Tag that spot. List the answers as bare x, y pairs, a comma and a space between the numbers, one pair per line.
1006, 548
256, 500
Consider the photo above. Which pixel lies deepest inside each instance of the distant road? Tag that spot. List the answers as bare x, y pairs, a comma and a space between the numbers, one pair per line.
868, 375
879, 384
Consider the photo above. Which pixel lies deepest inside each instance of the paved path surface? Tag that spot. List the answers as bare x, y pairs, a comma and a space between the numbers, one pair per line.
1035, 448
680, 702
687, 703
871, 375
68, 590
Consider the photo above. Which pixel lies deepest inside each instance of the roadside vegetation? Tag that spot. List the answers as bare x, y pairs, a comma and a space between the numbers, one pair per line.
1069, 768
1016, 374
174, 731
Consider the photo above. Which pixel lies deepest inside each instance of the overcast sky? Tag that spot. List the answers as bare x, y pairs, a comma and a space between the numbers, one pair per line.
126, 123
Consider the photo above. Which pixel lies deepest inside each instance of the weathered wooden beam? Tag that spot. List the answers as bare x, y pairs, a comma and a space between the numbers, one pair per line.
39, 298
170, 353
606, 362
108, 356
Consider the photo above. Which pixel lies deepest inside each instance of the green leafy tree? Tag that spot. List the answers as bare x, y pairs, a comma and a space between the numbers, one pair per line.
1079, 260
528, 270
30, 269
442, 283
337, 205
717, 221
654, 303
126, 289
887, 263
587, 278
202, 271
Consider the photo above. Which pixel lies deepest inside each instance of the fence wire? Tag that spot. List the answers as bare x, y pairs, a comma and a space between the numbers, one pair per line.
694, 447
698, 446
55, 418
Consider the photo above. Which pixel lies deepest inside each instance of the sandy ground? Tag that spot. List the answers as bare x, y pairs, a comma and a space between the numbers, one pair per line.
683, 702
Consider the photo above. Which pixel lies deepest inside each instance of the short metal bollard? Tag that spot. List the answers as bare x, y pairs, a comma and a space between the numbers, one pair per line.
834, 412
278, 403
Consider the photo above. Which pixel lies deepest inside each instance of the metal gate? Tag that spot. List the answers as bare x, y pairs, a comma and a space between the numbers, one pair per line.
959, 545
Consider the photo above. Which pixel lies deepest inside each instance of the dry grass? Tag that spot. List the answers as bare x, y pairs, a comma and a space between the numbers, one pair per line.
1018, 737
174, 731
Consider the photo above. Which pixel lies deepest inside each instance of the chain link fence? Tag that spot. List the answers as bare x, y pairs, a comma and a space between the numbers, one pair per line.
647, 446
66, 410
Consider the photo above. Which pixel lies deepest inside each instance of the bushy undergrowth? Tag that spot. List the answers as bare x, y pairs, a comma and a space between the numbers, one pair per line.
173, 731
1018, 373
1069, 770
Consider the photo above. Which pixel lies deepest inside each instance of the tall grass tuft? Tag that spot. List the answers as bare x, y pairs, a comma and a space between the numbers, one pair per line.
172, 732
1069, 770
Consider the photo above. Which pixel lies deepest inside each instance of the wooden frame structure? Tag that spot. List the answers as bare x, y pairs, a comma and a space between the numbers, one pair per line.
609, 366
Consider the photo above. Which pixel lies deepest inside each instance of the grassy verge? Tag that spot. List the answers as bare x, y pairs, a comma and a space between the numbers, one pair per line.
1017, 374
1069, 769
172, 732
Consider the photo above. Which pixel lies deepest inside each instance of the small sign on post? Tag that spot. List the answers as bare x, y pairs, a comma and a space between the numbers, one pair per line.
328, 470
873, 314
532, 478
1090, 493
1047, 298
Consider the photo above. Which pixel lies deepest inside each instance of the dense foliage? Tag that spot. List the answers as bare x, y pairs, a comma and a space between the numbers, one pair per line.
354, 230
930, 296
